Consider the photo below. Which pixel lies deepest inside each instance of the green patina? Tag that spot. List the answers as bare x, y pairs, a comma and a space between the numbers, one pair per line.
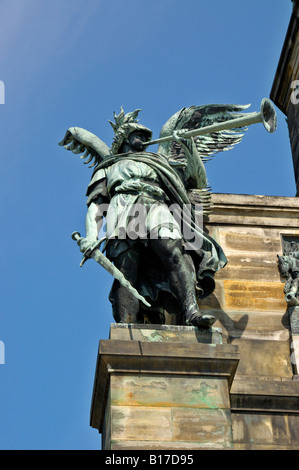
206, 394
158, 335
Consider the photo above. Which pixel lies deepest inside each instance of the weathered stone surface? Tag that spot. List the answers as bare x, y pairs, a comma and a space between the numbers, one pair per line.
165, 445
252, 295
142, 423
265, 414
159, 391
246, 295
250, 239
164, 333
255, 211
255, 431
249, 301
169, 391
264, 358
250, 308
247, 266
252, 325
181, 376
197, 412
134, 357
255, 393
203, 426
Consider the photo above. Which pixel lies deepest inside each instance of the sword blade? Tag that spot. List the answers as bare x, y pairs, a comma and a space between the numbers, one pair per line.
100, 258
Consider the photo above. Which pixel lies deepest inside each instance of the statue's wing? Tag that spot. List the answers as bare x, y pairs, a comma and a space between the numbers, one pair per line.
196, 117
81, 141
207, 145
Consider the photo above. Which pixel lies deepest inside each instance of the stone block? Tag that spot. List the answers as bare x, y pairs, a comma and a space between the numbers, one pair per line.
265, 431
252, 325
250, 267
164, 445
253, 240
141, 423
205, 426
250, 295
164, 333
169, 391
240, 210
264, 358
143, 389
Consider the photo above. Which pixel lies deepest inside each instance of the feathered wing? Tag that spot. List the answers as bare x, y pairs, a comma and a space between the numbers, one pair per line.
81, 141
207, 145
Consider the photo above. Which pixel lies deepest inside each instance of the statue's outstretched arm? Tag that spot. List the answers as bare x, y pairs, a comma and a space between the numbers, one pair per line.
93, 224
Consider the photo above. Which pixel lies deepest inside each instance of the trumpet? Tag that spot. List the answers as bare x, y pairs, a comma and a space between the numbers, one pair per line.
266, 115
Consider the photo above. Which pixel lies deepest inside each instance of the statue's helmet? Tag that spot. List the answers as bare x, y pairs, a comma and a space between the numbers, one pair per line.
123, 126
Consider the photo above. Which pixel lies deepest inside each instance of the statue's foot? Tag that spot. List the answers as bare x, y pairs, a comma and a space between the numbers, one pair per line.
200, 320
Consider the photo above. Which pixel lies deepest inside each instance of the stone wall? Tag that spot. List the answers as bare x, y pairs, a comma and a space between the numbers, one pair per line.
250, 308
169, 387
164, 387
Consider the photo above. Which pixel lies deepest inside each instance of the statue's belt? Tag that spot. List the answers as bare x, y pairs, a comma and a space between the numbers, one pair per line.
142, 186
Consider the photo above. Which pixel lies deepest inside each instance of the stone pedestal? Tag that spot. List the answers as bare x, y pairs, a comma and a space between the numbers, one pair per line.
160, 387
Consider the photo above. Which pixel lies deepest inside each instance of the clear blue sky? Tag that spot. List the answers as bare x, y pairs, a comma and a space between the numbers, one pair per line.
72, 63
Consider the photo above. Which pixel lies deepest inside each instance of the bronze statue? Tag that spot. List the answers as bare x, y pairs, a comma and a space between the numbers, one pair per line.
288, 265
155, 244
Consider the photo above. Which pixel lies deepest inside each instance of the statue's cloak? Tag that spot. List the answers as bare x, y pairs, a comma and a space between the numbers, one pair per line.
207, 259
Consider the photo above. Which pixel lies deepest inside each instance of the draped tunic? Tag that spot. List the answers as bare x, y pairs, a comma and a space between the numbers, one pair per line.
147, 180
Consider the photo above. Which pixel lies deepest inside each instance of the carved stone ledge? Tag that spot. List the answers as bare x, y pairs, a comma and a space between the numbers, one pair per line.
256, 395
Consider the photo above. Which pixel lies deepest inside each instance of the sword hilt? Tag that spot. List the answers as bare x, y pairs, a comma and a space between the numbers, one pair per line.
76, 236
86, 255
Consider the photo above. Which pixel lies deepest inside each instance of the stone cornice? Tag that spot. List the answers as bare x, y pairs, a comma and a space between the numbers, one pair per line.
254, 210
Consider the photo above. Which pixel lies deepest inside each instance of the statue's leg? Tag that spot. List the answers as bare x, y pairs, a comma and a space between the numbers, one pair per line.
125, 305
182, 280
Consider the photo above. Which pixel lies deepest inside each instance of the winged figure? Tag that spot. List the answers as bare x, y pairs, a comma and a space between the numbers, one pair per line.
153, 203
